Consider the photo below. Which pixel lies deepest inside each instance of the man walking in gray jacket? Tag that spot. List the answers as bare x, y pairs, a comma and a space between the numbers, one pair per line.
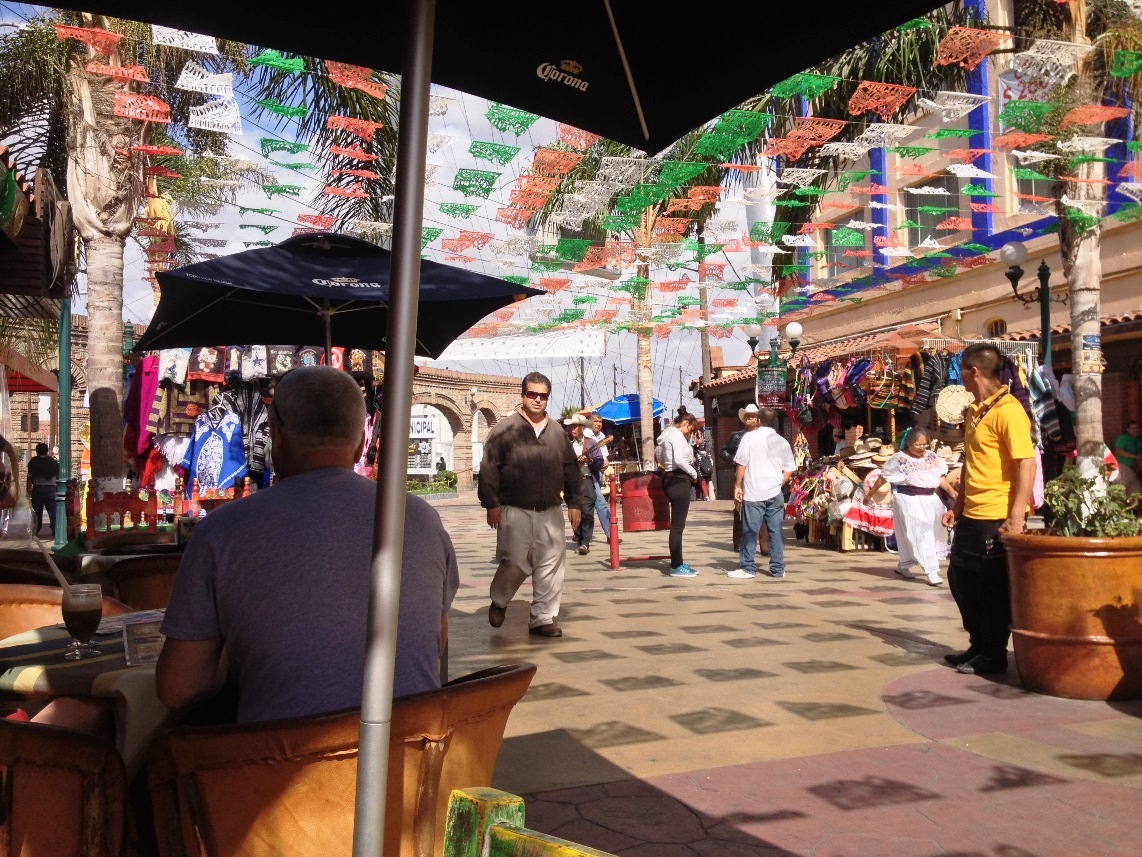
527, 461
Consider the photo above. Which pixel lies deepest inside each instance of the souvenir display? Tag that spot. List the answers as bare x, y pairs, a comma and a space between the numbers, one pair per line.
197, 429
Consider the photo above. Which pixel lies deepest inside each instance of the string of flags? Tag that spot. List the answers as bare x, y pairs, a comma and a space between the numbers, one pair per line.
931, 195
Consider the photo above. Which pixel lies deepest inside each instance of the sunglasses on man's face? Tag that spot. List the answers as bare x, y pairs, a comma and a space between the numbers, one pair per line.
536, 396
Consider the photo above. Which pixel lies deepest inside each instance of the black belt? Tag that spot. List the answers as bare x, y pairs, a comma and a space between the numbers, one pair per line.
913, 491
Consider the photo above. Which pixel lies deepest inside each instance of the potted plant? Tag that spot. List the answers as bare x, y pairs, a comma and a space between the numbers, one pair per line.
1076, 592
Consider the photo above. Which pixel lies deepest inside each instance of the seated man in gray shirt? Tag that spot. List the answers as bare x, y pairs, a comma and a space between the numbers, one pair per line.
279, 581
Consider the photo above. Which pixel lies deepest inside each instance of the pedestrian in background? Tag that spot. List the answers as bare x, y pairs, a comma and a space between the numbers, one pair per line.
676, 458
915, 473
764, 467
590, 464
602, 489
750, 418
704, 464
43, 471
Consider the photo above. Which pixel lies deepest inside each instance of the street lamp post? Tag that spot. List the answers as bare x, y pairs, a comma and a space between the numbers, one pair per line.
751, 331
1014, 254
793, 332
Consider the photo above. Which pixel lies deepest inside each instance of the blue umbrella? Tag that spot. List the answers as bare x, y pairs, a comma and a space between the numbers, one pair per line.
625, 409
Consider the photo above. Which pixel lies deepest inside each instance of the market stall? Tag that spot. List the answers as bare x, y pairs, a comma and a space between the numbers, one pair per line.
197, 431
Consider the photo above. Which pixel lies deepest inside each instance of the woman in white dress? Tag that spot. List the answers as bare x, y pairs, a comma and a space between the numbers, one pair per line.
915, 473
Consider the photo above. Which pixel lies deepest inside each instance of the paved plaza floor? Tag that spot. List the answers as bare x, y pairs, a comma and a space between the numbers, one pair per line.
812, 715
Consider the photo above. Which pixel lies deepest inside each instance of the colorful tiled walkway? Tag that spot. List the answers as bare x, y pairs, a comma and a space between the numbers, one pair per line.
806, 716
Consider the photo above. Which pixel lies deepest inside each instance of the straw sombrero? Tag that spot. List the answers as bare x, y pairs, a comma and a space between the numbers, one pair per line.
949, 455
882, 455
951, 403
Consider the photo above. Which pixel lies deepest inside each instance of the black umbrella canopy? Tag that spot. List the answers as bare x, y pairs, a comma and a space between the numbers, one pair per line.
284, 294
629, 70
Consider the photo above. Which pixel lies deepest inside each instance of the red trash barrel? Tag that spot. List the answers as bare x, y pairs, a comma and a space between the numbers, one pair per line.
644, 503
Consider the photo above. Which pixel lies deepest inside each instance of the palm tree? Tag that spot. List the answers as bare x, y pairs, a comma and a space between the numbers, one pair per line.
63, 114
642, 232
1108, 27
45, 86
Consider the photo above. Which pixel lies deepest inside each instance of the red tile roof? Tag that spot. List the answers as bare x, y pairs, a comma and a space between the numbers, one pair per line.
1105, 321
902, 337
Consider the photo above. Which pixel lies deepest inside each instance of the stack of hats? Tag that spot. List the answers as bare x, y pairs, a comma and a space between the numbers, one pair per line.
881, 456
950, 454
859, 454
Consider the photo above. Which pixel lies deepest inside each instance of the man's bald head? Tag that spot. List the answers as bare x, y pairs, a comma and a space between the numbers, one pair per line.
318, 408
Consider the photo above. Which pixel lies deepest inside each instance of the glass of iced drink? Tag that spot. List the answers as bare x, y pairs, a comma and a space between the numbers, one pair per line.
82, 610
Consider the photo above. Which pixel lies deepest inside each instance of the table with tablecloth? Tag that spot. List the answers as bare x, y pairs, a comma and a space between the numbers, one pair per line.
32, 666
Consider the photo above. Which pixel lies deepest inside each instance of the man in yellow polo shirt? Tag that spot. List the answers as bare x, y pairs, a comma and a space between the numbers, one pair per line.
998, 476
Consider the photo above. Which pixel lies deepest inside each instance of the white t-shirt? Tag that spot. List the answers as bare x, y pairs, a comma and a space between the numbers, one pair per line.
597, 437
766, 456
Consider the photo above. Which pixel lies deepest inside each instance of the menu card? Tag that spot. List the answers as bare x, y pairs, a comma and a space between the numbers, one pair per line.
114, 624
142, 641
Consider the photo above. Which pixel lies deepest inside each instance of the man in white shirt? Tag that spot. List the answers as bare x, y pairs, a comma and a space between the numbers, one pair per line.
764, 465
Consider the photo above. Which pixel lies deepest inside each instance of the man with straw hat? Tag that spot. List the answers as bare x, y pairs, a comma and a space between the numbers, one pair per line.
764, 466
750, 420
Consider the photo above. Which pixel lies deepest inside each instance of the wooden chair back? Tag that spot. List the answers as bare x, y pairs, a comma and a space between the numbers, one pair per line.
25, 606
144, 582
20, 565
266, 789
62, 792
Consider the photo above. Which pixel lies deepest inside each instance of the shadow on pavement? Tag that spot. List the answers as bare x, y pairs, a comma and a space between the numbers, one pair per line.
613, 812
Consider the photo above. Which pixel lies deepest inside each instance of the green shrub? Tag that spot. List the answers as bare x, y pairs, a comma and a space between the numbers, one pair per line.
1081, 507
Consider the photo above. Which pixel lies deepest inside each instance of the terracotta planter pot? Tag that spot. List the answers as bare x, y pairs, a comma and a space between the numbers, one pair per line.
1076, 615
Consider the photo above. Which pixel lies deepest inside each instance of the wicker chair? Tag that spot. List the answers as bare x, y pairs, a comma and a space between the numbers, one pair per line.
24, 606
144, 582
64, 792
288, 786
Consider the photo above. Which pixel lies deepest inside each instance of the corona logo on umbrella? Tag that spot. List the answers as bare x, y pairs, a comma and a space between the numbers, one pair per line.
568, 75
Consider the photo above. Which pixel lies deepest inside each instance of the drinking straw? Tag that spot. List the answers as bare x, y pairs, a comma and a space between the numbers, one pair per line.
52, 563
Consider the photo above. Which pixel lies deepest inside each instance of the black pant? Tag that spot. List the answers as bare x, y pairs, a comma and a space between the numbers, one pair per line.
977, 576
677, 487
586, 528
43, 496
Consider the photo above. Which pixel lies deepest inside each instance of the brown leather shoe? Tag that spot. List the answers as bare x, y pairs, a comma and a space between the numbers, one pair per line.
584, 550
496, 615
548, 630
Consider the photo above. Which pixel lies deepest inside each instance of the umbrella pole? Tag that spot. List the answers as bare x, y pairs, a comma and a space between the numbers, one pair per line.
388, 535
327, 316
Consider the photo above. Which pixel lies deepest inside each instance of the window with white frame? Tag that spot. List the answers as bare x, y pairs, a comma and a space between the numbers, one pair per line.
928, 210
995, 328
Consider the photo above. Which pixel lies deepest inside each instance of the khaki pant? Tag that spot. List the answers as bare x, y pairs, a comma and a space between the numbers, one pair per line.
531, 544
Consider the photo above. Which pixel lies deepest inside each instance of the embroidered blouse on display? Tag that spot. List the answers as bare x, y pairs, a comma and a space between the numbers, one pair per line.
215, 456
173, 365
